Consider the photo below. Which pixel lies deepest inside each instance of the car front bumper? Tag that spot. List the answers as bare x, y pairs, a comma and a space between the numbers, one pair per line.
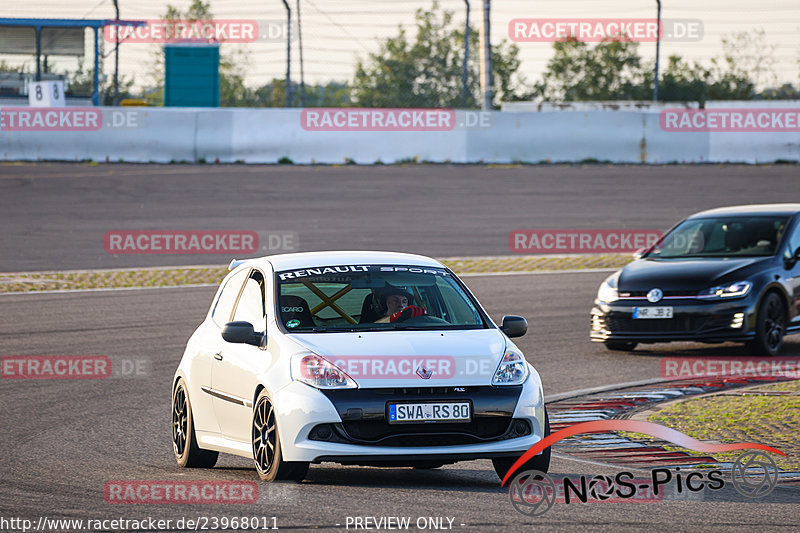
693, 320
303, 410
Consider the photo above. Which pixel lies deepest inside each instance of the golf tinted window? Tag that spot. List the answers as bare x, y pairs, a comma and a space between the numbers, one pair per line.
731, 236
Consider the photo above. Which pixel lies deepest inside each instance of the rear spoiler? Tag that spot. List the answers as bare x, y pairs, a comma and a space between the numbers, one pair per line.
235, 263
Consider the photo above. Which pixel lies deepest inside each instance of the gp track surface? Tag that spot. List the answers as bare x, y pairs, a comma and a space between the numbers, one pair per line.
62, 440
54, 215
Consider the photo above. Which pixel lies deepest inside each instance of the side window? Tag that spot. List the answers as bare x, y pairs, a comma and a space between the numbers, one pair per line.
251, 304
222, 311
716, 239
793, 242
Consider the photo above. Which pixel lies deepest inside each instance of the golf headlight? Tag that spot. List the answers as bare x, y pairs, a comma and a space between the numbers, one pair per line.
320, 373
608, 291
513, 370
731, 290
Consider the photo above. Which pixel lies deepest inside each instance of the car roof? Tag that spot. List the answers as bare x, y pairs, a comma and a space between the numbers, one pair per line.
757, 209
320, 259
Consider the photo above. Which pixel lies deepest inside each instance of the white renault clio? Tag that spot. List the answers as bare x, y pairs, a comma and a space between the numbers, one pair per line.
366, 358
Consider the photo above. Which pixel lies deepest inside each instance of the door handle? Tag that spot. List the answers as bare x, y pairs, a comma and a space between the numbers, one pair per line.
218, 356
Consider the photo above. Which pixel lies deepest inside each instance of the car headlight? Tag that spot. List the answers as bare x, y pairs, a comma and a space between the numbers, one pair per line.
731, 290
608, 291
512, 370
320, 373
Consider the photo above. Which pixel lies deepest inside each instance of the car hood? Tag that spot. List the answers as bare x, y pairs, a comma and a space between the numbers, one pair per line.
684, 275
392, 358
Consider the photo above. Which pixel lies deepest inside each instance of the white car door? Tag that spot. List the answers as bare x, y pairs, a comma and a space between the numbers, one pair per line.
206, 345
234, 373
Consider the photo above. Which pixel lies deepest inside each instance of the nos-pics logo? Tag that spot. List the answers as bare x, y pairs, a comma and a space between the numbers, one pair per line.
533, 493
754, 474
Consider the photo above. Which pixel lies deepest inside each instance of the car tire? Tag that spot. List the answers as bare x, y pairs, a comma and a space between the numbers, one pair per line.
184, 442
267, 454
539, 462
770, 326
621, 346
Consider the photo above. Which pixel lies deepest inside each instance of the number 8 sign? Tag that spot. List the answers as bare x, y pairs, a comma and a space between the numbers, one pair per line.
46, 93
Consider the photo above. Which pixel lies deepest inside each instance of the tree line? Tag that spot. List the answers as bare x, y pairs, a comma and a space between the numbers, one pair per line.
423, 68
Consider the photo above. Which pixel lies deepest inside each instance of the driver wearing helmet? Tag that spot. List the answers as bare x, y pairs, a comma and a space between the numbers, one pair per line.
394, 305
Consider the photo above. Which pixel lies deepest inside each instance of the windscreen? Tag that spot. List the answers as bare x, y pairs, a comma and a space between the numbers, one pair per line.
373, 298
740, 236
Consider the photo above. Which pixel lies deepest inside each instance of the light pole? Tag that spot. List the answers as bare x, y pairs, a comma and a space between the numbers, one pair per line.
486, 58
466, 60
116, 55
288, 53
658, 50
300, 43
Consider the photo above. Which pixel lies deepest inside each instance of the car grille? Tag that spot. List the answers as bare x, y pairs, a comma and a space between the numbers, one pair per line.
679, 324
667, 294
363, 414
381, 433
478, 429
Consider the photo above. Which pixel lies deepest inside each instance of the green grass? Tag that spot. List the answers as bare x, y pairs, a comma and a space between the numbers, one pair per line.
773, 420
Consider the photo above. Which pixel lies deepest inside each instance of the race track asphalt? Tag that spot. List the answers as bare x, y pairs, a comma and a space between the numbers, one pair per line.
54, 215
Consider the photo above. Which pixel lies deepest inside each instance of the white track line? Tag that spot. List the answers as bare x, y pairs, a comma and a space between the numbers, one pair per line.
536, 272
602, 388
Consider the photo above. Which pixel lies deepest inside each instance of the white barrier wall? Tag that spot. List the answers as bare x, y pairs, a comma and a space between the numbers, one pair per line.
266, 135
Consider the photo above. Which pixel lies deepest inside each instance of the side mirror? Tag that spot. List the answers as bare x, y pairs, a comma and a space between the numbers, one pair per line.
242, 333
790, 262
514, 326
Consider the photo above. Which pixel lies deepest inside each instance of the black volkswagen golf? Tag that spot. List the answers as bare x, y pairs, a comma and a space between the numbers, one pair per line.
728, 274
